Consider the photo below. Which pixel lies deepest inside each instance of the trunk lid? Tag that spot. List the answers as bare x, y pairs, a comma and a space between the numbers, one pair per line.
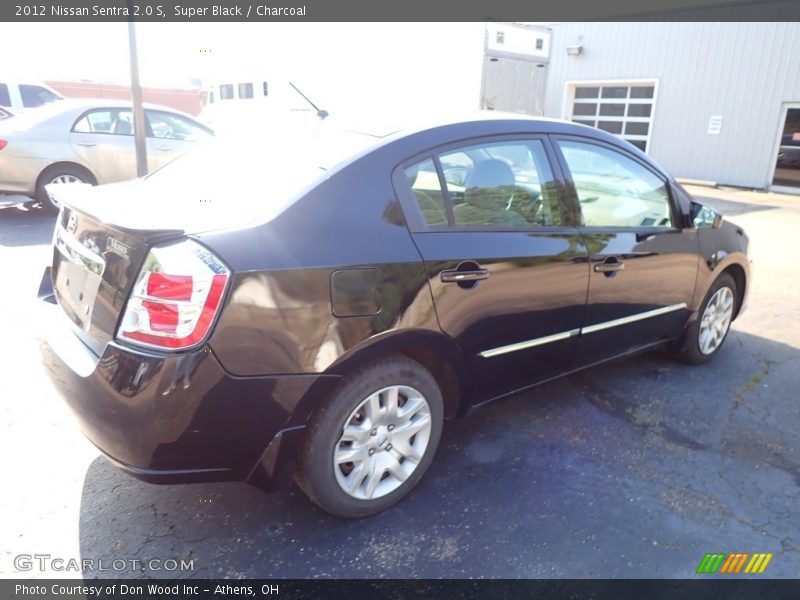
96, 262
104, 233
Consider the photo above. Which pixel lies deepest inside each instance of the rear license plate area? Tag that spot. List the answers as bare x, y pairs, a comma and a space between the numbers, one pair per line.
79, 273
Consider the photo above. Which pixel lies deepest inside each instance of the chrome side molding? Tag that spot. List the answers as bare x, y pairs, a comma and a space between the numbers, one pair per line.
557, 337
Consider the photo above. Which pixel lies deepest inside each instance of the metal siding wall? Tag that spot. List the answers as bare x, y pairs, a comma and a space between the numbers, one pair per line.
742, 71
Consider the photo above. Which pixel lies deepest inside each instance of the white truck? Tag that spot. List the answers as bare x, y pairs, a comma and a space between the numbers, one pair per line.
17, 96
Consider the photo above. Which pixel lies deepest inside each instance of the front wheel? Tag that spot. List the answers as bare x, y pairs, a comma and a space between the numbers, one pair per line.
370, 444
705, 336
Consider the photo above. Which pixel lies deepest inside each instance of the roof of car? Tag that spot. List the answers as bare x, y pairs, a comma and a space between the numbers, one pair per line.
381, 126
420, 135
87, 103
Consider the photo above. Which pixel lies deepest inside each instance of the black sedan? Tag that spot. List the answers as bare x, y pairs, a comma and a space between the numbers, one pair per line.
296, 315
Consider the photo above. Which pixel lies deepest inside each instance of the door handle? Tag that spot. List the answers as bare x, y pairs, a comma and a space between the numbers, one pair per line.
87, 144
609, 266
163, 148
460, 276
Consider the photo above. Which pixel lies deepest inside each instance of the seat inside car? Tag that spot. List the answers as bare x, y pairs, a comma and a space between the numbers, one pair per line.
122, 127
488, 194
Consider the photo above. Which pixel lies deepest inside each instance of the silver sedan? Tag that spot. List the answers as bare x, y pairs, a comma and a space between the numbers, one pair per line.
89, 141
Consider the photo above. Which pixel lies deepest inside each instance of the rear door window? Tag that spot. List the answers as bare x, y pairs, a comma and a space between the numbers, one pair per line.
423, 178
5, 99
494, 185
119, 122
174, 127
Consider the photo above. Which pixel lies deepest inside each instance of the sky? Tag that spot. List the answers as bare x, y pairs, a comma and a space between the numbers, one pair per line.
382, 66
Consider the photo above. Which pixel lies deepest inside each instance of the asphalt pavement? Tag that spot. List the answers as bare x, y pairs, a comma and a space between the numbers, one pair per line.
635, 469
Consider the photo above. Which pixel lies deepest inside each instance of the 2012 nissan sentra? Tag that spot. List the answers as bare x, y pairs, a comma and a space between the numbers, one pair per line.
285, 314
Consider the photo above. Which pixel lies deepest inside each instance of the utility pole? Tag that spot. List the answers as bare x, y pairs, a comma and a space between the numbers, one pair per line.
139, 129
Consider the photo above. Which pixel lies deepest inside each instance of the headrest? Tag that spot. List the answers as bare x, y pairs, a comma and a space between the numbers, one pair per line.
489, 185
123, 128
490, 173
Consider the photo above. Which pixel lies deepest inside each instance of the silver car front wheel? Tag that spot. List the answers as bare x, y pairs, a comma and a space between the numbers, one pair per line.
705, 335
716, 320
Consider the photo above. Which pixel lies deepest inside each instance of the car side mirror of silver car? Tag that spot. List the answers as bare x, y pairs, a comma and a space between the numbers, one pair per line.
702, 216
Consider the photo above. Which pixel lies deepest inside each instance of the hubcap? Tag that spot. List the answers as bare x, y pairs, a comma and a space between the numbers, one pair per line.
382, 442
716, 320
62, 179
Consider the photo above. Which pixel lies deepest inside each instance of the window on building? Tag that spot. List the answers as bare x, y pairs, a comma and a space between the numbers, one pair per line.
266, 89
622, 109
245, 90
226, 91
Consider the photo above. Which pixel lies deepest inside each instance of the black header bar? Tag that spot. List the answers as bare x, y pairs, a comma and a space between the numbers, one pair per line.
408, 10
132, 589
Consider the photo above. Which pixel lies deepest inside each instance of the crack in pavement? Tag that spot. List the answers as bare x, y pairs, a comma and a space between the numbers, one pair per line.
605, 401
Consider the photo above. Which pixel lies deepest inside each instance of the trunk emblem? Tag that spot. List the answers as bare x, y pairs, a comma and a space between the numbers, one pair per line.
118, 247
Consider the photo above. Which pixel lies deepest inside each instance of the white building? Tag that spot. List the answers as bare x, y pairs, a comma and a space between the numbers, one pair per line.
709, 101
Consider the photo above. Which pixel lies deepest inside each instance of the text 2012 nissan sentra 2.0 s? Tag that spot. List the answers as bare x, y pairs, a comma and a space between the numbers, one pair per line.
224, 320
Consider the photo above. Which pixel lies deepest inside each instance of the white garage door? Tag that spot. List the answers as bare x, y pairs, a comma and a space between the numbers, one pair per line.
622, 108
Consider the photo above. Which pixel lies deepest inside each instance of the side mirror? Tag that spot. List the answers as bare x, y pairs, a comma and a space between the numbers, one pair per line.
702, 216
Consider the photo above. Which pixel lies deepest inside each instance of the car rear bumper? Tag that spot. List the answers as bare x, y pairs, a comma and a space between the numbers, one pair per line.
171, 418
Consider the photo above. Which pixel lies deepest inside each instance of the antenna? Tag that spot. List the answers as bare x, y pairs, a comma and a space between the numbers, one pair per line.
320, 113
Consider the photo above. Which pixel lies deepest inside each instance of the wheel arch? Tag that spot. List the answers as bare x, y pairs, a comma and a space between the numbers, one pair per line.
61, 164
439, 354
739, 275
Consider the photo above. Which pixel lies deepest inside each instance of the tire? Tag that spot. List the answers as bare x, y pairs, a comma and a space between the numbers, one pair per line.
67, 173
708, 332
386, 465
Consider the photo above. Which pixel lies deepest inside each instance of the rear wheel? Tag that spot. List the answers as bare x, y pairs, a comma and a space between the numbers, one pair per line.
59, 174
370, 444
705, 336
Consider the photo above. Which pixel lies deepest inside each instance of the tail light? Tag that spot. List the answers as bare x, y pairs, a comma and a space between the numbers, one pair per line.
3, 144
176, 297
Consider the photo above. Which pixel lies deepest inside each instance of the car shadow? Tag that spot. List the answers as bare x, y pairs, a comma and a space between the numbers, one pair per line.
631, 469
23, 226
